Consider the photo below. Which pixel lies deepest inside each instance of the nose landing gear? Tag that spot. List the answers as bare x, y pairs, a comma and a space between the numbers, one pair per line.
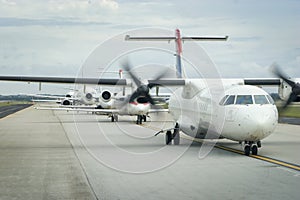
251, 146
175, 136
140, 119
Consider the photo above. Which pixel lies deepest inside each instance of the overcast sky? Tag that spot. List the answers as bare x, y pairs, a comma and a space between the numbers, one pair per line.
54, 38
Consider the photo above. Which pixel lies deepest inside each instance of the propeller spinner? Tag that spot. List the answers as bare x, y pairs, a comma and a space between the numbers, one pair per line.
142, 89
295, 86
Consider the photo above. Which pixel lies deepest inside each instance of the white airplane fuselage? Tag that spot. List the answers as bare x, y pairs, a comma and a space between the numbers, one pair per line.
130, 108
195, 111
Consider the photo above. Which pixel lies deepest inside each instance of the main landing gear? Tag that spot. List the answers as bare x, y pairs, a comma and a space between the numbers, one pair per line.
141, 118
251, 147
175, 136
114, 117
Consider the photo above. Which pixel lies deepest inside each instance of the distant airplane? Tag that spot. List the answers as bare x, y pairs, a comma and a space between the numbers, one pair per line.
86, 96
249, 112
138, 103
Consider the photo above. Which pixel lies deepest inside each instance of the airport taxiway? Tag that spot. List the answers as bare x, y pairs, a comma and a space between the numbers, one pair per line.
65, 155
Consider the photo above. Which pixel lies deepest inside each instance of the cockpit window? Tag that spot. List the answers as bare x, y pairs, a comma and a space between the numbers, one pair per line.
223, 100
260, 99
270, 99
230, 100
244, 99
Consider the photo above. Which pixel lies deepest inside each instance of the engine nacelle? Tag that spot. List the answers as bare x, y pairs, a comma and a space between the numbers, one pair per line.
284, 90
70, 94
105, 99
88, 98
106, 96
66, 102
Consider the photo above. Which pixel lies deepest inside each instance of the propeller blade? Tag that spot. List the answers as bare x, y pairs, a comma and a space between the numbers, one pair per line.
280, 74
128, 68
158, 77
149, 98
134, 96
295, 86
291, 98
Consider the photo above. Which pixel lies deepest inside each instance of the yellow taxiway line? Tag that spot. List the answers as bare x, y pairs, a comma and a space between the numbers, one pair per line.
264, 158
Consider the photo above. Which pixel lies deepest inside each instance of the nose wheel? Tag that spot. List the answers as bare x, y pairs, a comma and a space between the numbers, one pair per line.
251, 147
175, 136
140, 119
114, 118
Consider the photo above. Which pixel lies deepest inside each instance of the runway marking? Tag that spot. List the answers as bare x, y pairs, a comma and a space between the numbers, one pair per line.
263, 158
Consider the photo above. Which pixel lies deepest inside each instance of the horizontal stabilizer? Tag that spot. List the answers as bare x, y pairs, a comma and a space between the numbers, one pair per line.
205, 38
196, 38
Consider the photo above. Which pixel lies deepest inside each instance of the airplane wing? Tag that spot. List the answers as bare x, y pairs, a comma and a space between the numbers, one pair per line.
98, 111
68, 106
46, 100
124, 82
262, 81
94, 81
45, 96
158, 110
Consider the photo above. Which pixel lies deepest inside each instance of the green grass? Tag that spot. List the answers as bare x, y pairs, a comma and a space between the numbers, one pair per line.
8, 103
291, 111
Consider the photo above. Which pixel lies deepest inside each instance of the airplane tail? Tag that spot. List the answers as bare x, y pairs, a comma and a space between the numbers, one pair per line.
178, 54
178, 40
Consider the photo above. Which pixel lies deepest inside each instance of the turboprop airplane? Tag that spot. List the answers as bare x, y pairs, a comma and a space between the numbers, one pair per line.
241, 112
247, 112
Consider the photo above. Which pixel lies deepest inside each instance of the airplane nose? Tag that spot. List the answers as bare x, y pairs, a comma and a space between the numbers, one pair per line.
259, 122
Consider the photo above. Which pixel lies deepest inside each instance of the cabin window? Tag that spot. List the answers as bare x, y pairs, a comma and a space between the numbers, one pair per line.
223, 100
244, 99
270, 99
260, 99
230, 100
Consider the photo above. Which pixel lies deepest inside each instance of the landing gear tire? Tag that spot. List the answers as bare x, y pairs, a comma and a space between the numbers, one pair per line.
258, 144
114, 118
247, 150
176, 135
144, 118
168, 137
139, 119
254, 150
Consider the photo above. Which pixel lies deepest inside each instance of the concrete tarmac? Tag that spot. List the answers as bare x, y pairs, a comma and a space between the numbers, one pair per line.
220, 175
61, 155
37, 159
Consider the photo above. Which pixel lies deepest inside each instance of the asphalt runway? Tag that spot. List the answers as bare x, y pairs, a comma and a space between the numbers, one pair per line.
54, 155
10, 109
289, 120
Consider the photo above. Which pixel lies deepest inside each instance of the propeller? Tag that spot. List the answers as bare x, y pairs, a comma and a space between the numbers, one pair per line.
295, 86
142, 89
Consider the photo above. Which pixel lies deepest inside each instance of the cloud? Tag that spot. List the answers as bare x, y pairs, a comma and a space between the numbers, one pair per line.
18, 22
9, 2
62, 33
109, 4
